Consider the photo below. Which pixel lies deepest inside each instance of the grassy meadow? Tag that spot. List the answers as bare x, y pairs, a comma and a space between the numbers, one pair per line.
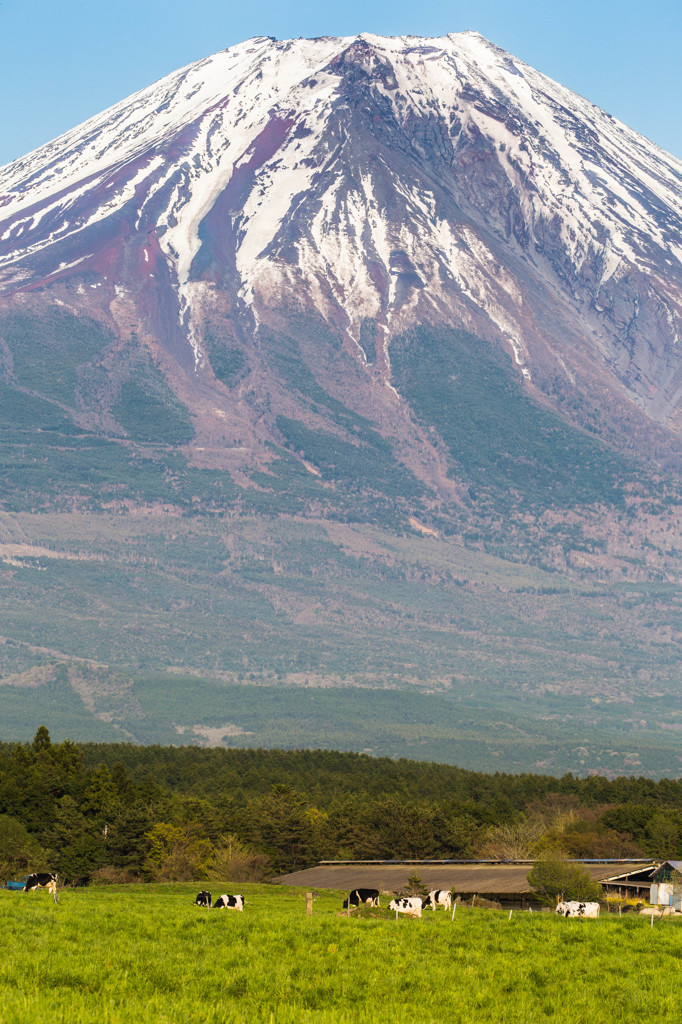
144, 953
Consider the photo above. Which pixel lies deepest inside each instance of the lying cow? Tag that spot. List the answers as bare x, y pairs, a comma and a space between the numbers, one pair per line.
358, 896
203, 899
438, 898
411, 905
572, 908
226, 902
42, 880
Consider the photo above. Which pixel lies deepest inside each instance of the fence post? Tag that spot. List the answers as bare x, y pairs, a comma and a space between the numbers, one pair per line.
309, 904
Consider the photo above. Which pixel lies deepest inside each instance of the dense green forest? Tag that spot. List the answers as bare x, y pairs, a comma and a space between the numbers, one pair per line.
120, 812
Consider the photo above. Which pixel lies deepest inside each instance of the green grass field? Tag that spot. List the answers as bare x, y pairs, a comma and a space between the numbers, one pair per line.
145, 953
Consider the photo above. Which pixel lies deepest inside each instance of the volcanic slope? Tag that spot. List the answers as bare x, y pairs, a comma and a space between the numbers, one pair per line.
407, 285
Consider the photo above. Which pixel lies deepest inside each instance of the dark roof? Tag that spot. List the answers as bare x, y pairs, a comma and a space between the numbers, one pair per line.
462, 876
667, 869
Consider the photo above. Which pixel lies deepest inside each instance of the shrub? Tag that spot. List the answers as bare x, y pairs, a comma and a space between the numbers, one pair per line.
110, 875
414, 887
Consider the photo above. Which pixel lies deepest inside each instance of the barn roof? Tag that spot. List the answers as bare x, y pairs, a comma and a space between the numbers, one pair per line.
465, 877
667, 869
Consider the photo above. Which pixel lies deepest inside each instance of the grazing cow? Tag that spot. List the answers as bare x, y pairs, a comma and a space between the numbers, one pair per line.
358, 896
203, 899
572, 908
226, 902
411, 905
438, 898
42, 880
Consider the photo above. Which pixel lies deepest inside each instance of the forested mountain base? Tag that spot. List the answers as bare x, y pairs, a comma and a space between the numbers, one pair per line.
120, 812
291, 633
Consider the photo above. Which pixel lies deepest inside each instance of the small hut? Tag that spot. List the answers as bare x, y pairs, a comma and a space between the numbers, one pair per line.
666, 885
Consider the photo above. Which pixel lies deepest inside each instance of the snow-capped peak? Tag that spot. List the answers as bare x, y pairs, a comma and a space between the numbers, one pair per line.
381, 178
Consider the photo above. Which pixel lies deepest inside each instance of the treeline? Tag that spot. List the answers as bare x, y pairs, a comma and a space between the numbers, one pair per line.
118, 812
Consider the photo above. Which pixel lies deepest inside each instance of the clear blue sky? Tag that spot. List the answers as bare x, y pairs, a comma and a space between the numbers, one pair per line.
62, 62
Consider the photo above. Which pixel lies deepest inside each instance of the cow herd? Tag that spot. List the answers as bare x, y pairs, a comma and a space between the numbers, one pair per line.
224, 902
403, 904
411, 905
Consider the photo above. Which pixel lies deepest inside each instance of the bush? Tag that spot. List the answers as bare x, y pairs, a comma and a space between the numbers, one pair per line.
110, 875
414, 887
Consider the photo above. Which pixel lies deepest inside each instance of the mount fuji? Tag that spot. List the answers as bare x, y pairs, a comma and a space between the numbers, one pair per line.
373, 284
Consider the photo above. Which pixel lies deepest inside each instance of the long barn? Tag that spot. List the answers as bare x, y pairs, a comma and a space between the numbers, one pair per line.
503, 881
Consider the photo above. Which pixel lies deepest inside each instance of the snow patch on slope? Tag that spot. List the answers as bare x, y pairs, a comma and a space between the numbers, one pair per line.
166, 155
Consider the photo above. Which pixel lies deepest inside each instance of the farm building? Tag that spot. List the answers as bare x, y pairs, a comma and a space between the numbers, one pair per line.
503, 881
666, 885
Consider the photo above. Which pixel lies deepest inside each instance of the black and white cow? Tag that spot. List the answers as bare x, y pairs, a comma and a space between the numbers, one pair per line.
358, 896
203, 899
42, 880
438, 898
572, 908
411, 905
226, 902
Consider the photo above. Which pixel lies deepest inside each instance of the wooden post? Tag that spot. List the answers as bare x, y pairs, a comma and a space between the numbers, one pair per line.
309, 904
652, 920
